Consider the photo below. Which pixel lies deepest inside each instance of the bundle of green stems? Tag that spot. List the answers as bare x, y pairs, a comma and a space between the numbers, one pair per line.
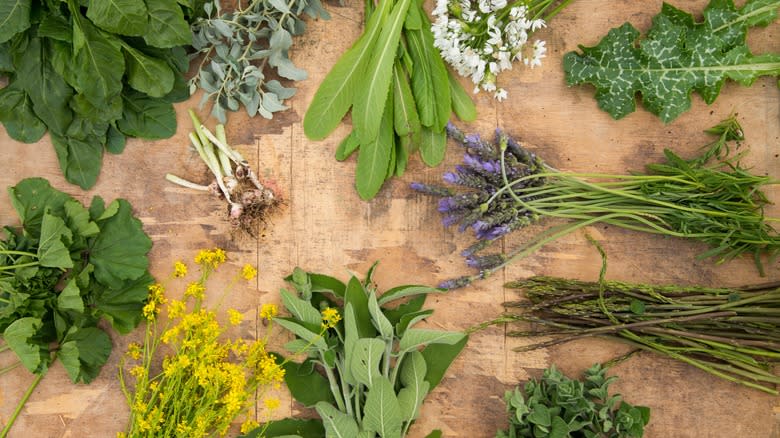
730, 333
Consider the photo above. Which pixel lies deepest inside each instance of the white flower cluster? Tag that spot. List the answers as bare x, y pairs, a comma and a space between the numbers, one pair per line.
481, 38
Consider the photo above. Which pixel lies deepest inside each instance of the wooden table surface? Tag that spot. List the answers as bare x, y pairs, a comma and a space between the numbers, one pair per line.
324, 227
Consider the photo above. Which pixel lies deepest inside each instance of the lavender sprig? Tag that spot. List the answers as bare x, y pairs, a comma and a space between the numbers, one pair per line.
505, 188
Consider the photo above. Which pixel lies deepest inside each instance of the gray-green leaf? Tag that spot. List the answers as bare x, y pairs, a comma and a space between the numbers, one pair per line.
382, 411
414, 338
301, 309
364, 363
337, 424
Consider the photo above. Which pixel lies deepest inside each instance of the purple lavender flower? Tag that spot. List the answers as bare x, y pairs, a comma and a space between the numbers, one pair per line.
473, 249
430, 189
493, 233
456, 283
485, 263
450, 219
451, 177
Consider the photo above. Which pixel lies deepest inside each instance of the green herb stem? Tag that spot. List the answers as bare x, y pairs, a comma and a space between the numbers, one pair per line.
9, 368
22, 402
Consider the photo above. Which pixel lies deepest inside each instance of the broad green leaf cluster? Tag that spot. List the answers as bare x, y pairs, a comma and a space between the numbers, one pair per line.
241, 47
678, 56
92, 73
400, 92
559, 407
65, 270
368, 368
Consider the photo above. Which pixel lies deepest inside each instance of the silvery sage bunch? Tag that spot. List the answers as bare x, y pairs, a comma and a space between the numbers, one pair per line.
482, 38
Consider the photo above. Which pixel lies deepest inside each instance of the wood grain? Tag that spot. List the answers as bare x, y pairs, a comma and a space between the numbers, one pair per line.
323, 226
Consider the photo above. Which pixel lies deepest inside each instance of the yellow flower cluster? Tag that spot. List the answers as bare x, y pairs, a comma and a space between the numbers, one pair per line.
179, 269
269, 311
248, 272
154, 302
211, 258
330, 317
206, 381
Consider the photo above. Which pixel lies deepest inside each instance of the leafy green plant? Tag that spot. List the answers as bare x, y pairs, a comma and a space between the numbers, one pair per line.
91, 73
400, 92
368, 369
241, 46
68, 268
677, 56
559, 407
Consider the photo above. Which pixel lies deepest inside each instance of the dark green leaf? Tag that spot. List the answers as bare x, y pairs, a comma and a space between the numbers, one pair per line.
167, 27
287, 427
14, 17
80, 160
55, 27
83, 352
17, 115
413, 305
462, 104
434, 434
119, 252
430, 84
125, 17
96, 69
306, 385
121, 304
410, 319
405, 119
115, 141
439, 357
356, 295
31, 198
149, 75
147, 117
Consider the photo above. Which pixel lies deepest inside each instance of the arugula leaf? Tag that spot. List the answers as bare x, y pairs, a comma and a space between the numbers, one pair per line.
677, 56
14, 17
119, 252
125, 17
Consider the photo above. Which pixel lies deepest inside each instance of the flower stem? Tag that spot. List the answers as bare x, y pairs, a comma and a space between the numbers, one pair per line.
20, 406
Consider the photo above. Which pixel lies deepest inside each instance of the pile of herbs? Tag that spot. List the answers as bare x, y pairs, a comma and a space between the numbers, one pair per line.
65, 270
732, 333
559, 407
92, 74
242, 46
368, 370
678, 56
710, 198
400, 92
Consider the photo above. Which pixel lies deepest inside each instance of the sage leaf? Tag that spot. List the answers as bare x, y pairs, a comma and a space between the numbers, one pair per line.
337, 424
125, 17
406, 291
430, 84
351, 336
346, 147
370, 99
336, 92
382, 411
301, 309
414, 338
415, 388
365, 360
433, 146
304, 333
14, 17
356, 295
381, 322
462, 104
410, 319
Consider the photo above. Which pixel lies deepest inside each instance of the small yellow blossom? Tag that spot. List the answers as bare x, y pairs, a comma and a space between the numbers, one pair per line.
121, 435
248, 425
235, 316
179, 269
330, 317
134, 350
137, 371
248, 272
211, 258
176, 309
271, 403
269, 311
195, 290
154, 301
182, 429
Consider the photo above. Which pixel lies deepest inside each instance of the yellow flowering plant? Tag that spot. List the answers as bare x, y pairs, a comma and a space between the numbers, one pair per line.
205, 381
